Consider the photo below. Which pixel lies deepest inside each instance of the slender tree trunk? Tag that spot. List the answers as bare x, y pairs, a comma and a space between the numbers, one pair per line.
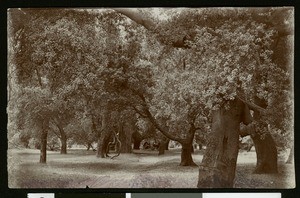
167, 144
186, 155
266, 153
164, 145
161, 149
218, 166
44, 135
63, 139
100, 152
43, 153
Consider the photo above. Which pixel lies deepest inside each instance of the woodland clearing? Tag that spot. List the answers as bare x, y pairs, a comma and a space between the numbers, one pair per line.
141, 169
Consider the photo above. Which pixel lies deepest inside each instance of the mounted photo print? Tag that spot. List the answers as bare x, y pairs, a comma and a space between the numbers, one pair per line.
163, 98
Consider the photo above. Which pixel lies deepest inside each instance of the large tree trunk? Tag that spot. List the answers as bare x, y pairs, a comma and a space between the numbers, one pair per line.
43, 150
266, 154
125, 135
265, 146
103, 134
137, 139
218, 166
136, 144
186, 155
102, 146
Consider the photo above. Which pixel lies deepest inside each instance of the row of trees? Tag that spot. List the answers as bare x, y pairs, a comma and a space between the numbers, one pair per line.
206, 70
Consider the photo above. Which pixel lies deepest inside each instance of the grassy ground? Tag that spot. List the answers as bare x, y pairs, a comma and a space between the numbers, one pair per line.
80, 168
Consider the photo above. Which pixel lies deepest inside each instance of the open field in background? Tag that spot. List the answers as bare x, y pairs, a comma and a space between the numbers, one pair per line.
142, 169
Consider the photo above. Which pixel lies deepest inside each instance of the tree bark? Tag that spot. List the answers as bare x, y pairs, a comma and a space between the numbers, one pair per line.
218, 166
167, 144
266, 154
125, 135
102, 146
44, 135
186, 155
136, 144
161, 149
62, 136
63, 139
43, 150
103, 138
163, 145
265, 146
137, 138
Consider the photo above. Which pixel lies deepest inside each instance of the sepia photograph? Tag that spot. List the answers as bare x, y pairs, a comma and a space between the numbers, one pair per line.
168, 98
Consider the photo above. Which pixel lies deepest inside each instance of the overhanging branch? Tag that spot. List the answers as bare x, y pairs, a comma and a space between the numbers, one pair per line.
253, 106
150, 25
137, 17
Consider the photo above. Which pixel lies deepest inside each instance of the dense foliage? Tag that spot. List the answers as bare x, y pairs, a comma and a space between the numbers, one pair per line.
68, 65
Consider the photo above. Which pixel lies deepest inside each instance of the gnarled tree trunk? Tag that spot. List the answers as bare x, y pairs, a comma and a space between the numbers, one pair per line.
218, 166
102, 146
62, 137
186, 155
266, 153
265, 146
